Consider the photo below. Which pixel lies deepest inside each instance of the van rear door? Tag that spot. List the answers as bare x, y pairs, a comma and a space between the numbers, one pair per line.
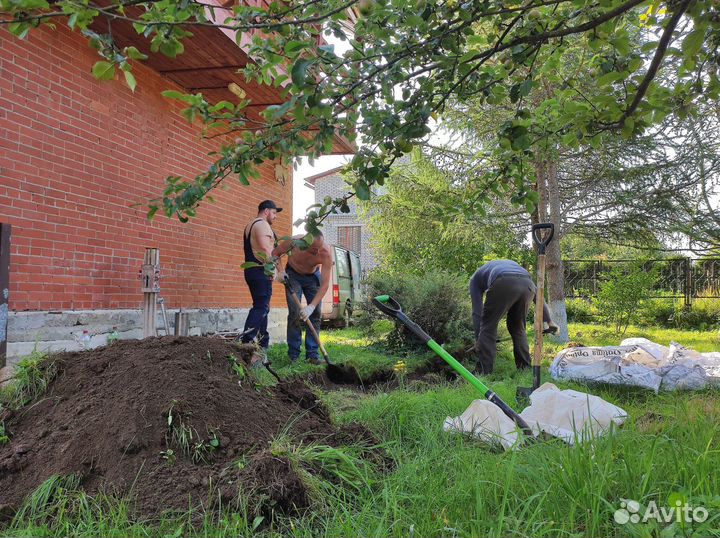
344, 277
357, 295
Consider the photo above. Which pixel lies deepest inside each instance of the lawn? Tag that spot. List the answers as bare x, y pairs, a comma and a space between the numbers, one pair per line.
448, 485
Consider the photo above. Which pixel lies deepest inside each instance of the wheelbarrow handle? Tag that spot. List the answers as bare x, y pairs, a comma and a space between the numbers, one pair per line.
537, 237
388, 305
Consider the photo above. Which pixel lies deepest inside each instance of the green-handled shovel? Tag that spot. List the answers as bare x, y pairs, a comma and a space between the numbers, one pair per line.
390, 306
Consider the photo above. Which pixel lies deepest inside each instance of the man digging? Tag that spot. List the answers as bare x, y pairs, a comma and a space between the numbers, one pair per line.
308, 272
508, 289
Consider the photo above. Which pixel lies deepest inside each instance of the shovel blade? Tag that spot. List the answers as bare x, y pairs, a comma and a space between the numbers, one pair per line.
522, 395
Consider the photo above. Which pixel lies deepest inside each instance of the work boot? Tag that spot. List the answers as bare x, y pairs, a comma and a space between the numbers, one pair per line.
315, 360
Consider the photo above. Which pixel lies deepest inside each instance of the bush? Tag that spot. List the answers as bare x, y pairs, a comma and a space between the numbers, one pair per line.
623, 294
658, 313
580, 311
437, 301
703, 315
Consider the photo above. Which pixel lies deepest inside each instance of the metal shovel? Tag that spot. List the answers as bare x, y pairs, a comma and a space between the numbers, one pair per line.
523, 393
336, 373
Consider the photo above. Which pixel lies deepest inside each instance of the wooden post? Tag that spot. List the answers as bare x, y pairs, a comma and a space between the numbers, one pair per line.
4, 289
150, 276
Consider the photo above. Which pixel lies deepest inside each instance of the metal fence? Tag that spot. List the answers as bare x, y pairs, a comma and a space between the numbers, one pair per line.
686, 278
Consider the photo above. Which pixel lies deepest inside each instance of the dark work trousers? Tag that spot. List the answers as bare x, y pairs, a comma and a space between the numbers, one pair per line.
302, 285
511, 295
261, 291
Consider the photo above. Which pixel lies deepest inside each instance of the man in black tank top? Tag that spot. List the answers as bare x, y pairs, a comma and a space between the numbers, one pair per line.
259, 237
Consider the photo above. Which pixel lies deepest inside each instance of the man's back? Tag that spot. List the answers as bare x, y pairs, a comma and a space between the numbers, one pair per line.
492, 270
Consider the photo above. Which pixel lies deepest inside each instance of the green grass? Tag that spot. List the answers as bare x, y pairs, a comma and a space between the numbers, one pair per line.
449, 485
31, 377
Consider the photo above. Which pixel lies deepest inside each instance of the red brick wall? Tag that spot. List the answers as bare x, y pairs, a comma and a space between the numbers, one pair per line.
75, 153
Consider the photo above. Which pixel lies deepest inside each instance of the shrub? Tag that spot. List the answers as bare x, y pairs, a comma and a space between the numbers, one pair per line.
703, 315
437, 301
657, 312
623, 293
580, 311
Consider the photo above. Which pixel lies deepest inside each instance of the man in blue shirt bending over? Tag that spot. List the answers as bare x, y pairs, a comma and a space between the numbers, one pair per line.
508, 289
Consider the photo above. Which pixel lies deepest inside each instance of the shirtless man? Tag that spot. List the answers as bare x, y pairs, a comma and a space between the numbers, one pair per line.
259, 237
308, 272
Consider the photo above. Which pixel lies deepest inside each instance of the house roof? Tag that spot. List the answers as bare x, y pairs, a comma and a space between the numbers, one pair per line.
211, 63
310, 181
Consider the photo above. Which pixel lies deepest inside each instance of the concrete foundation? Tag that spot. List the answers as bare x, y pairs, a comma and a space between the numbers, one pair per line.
61, 331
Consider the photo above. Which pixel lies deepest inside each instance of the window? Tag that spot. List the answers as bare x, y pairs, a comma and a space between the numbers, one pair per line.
349, 237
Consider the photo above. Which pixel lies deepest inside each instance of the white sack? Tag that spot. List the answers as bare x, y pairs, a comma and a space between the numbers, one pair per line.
487, 422
567, 414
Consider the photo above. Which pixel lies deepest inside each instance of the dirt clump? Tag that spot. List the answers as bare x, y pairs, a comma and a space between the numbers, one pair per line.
161, 421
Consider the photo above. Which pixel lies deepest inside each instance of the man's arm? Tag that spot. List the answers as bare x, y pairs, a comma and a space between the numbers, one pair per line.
282, 248
476, 295
263, 236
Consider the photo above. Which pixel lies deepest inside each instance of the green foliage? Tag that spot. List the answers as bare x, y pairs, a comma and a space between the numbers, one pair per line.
423, 223
580, 311
31, 377
703, 315
405, 63
437, 301
622, 294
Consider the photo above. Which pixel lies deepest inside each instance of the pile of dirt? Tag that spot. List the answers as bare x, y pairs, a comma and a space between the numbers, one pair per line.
164, 421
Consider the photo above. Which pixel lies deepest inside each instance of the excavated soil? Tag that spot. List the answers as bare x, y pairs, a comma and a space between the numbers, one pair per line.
105, 417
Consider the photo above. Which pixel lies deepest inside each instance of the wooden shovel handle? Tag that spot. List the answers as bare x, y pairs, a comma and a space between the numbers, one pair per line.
309, 324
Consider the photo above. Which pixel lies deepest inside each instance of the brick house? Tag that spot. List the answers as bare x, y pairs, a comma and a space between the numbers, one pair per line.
344, 229
76, 154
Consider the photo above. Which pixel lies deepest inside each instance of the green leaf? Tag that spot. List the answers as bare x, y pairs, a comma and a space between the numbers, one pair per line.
130, 79
172, 94
628, 127
693, 42
292, 48
103, 70
299, 72
362, 190
250, 265
609, 78
19, 29
135, 54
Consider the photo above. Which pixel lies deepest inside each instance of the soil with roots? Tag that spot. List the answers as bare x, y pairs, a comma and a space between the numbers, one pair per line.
170, 423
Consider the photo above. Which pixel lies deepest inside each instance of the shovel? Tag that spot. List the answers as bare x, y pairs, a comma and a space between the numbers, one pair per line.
523, 393
390, 306
336, 374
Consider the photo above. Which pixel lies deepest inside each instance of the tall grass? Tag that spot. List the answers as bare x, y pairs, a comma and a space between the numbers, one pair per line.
31, 377
449, 485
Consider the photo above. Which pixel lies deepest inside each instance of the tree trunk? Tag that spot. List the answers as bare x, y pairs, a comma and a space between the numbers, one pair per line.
554, 264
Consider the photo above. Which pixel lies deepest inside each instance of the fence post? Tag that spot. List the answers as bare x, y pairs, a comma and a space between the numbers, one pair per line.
688, 283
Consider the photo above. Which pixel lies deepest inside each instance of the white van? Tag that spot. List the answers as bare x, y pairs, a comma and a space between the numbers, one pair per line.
345, 290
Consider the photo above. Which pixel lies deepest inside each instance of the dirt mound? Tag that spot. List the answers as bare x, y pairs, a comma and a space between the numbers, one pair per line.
162, 421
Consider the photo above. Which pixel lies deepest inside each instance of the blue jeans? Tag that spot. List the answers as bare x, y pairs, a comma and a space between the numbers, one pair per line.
261, 291
307, 285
